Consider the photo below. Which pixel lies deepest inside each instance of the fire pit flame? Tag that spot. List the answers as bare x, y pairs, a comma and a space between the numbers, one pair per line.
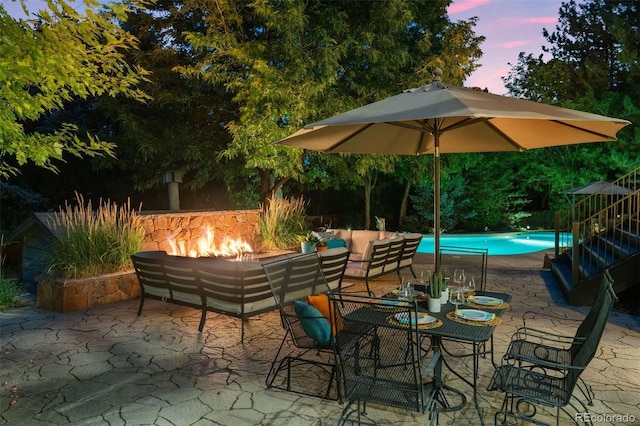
206, 246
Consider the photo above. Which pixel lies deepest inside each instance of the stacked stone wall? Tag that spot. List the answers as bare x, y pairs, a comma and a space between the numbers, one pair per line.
189, 227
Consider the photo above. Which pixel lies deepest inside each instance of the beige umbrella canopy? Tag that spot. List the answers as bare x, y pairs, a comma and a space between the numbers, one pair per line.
439, 118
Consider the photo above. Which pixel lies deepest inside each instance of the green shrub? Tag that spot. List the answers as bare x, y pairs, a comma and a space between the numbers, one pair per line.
94, 242
9, 289
282, 222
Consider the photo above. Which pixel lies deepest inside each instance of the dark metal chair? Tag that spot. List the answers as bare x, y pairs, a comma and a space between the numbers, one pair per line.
474, 262
529, 383
294, 279
381, 361
531, 346
333, 263
409, 249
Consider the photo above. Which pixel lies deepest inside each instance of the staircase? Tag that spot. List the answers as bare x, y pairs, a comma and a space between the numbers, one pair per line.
600, 231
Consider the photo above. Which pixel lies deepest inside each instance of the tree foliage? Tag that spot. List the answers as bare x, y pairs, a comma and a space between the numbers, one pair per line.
182, 127
593, 67
292, 62
48, 61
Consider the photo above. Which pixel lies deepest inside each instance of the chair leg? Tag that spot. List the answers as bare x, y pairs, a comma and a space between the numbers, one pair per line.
141, 303
273, 371
203, 318
369, 292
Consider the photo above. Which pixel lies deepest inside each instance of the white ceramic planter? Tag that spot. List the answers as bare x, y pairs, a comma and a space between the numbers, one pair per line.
444, 296
434, 305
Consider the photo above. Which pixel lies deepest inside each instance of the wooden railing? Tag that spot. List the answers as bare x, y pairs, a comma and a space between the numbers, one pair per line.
600, 228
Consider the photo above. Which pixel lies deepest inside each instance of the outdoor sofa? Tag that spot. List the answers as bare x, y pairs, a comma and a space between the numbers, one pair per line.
237, 289
375, 253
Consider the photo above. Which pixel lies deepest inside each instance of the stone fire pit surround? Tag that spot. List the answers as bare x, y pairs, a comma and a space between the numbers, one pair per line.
191, 226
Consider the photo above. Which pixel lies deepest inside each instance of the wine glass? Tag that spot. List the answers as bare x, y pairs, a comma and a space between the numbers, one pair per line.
472, 284
406, 289
456, 297
458, 277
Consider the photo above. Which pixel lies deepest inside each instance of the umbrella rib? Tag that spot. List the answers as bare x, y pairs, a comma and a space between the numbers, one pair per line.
349, 136
582, 129
505, 136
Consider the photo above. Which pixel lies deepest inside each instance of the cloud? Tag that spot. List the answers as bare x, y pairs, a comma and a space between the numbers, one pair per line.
540, 20
463, 5
513, 44
519, 20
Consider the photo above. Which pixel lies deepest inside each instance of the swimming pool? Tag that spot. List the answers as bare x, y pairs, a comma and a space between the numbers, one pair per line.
498, 244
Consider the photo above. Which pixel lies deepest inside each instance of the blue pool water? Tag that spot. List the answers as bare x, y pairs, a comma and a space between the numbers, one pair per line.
497, 244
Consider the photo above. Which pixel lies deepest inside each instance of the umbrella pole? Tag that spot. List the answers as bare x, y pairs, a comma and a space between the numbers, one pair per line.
436, 202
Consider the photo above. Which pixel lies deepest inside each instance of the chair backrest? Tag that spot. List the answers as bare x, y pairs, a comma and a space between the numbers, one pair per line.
409, 249
377, 257
150, 271
379, 356
295, 278
590, 330
394, 254
333, 263
474, 262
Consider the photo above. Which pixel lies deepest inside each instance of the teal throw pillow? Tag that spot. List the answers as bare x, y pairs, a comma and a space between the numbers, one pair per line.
336, 243
313, 322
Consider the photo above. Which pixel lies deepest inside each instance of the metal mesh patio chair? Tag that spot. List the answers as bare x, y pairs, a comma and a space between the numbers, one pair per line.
333, 263
529, 385
380, 358
308, 362
531, 346
474, 262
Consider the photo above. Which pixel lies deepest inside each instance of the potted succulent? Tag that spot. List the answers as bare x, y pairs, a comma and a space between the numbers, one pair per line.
308, 242
321, 245
436, 289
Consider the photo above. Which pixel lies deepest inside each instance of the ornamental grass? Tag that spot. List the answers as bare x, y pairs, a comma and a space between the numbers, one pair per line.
281, 223
94, 242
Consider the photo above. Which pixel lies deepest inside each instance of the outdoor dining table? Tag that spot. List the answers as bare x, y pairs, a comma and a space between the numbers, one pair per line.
475, 334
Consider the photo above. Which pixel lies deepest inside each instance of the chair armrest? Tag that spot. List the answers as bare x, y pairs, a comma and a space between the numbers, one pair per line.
533, 334
537, 364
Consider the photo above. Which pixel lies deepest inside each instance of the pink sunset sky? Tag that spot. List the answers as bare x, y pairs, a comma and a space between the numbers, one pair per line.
510, 27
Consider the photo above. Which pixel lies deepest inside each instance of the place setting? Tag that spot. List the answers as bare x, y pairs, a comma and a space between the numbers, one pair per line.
422, 319
474, 315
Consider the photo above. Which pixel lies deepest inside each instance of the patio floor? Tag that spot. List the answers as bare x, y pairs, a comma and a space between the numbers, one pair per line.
108, 366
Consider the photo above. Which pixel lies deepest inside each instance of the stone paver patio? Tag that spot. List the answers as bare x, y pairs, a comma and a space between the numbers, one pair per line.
106, 366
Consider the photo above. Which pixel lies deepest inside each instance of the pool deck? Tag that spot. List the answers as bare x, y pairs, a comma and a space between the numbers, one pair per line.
107, 366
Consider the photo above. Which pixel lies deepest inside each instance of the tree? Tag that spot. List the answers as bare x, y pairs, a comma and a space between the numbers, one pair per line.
593, 67
181, 127
290, 63
50, 61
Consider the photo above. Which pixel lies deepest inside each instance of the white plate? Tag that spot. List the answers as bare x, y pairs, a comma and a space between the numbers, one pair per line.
386, 303
486, 300
423, 318
474, 315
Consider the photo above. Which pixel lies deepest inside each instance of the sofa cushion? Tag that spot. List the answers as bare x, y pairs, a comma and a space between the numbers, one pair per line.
360, 241
342, 234
336, 243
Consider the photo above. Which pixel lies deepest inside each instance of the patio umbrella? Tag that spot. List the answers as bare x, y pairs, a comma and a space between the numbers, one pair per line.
439, 118
599, 187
